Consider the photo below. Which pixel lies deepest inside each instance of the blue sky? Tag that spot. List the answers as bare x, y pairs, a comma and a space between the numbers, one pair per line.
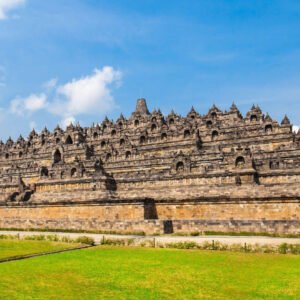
63, 60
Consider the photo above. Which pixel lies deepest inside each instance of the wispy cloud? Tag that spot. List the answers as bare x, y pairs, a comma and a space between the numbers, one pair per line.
83, 96
50, 84
29, 104
67, 121
8, 5
86, 95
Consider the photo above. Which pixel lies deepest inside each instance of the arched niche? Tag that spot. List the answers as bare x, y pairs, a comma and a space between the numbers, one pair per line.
213, 115
268, 129
127, 154
164, 136
274, 165
209, 124
253, 118
142, 140
98, 165
122, 142
57, 156
153, 127
240, 162
180, 167
214, 135
186, 133
108, 157
73, 172
69, 140
44, 172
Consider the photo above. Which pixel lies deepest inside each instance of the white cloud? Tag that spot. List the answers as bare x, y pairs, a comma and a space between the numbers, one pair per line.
67, 121
7, 5
29, 104
296, 128
87, 95
50, 84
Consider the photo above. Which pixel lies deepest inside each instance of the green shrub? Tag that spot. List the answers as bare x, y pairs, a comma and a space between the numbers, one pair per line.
85, 240
114, 242
180, 234
283, 248
52, 238
182, 245
195, 233
67, 239
9, 236
248, 233
295, 249
118, 242
39, 237
289, 248
140, 233
149, 243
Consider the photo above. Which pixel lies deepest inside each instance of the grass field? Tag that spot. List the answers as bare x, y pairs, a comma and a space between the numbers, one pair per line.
11, 248
143, 273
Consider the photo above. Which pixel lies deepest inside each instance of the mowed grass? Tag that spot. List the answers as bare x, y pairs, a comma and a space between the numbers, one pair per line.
12, 248
143, 273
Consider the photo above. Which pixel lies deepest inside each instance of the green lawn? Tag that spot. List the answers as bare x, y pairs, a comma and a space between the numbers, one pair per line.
11, 248
143, 273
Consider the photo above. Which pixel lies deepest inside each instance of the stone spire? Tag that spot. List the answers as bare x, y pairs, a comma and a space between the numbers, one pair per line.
286, 121
268, 118
192, 110
9, 141
57, 128
33, 133
45, 131
141, 107
20, 139
233, 107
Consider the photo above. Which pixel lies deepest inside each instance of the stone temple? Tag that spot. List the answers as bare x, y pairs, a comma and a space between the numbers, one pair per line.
157, 174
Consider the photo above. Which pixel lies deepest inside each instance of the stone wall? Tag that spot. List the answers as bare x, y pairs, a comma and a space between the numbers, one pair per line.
150, 217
